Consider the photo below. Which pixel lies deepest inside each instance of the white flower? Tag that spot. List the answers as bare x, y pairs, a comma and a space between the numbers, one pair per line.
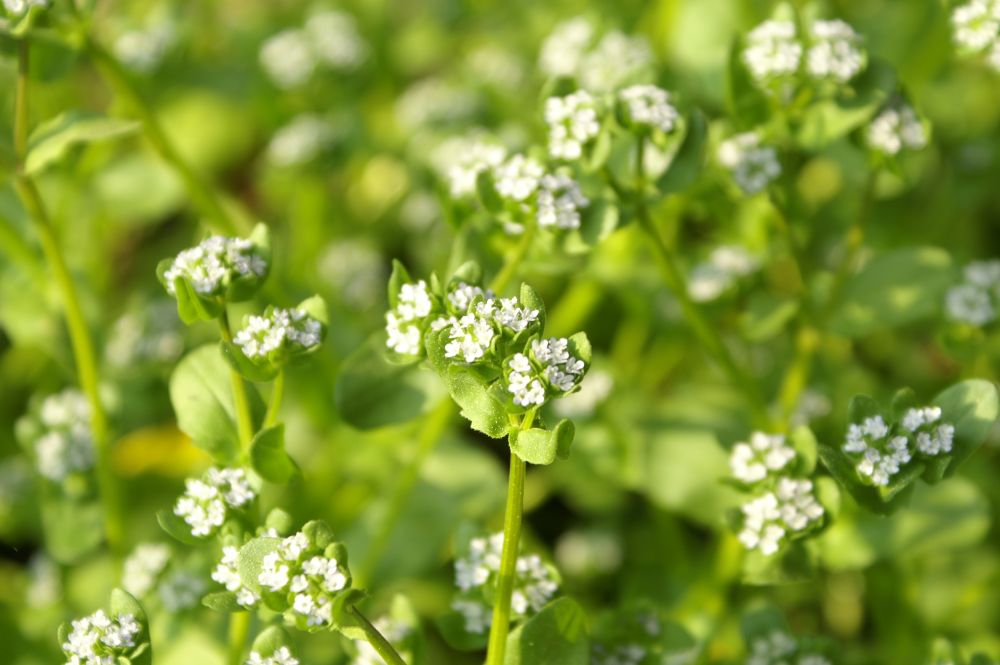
462, 160
288, 58
618, 59
971, 304
181, 590
470, 338
214, 263
507, 313
985, 274
766, 453
18, 7
404, 324
143, 50
768, 518
300, 141
143, 566
753, 165
281, 656
227, 574
895, 128
772, 51
433, 100
554, 369
335, 40
976, 25
650, 106
559, 202
932, 438
66, 445
772, 649
292, 330
563, 50
309, 578
517, 178
834, 53
572, 122
725, 265
99, 639
461, 295
205, 503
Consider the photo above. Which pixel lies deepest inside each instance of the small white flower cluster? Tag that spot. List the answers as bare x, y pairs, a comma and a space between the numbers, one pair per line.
149, 334
19, 7
724, 267
774, 53
308, 577
896, 128
142, 50
99, 639
882, 453
227, 573
766, 453
471, 335
977, 299
614, 61
534, 584
290, 330
550, 367
780, 648
558, 199
65, 445
433, 101
300, 141
573, 123
143, 567
281, 656
518, 177
329, 38
181, 590
206, 502
752, 164
976, 27
214, 263
404, 324
394, 631
784, 505
462, 160
649, 106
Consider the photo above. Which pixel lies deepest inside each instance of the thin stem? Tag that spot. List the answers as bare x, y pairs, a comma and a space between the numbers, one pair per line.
381, 645
239, 628
277, 391
514, 261
79, 335
202, 194
513, 516
244, 420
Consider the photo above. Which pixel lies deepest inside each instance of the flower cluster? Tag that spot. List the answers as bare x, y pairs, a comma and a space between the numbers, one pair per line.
227, 574
648, 106
752, 164
329, 38
783, 505
462, 160
896, 128
405, 323
613, 61
547, 369
724, 267
182, 590
145, 334
780, 648
881, 450
143, 49
976, 27
553, 199
306, 576
63, 443
99, 639
207, 502
777, 56
19, 7
301, 140
279, 334
977, 299
281, 656
476, 575
573, 123
143, 567
471, 336
214, 264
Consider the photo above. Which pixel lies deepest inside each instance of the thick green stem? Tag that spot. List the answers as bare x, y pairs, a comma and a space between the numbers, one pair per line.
513, 516
381, 645
202, 194
244, 419
79, 335
274, 407
239, 628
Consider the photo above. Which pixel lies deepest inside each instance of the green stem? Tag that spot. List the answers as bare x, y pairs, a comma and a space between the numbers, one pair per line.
514, 261
239, 628
277, 391
244, 420
430, 433
381, 645
202, 194
79, 335
513, 516
704, 331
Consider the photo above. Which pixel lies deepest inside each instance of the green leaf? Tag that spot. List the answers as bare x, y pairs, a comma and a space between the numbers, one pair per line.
689, 160
579, 347
529, 298
803, 441
271, 639
558, 635
372, 393
747, 105
222, 601
767, 316
763, 622
251, 560
122, 602
315, 307
894, 289
319, 534
842, 469
201, 394
541, 446
245, 367
268, 456
862, 407
397, 279
73, 528
487, 192
484, 413
280, 521
451, 626
50, 142
972, 407
191, 307
790, 565
177, 528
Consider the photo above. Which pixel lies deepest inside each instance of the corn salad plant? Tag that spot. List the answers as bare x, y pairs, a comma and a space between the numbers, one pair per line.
611, 334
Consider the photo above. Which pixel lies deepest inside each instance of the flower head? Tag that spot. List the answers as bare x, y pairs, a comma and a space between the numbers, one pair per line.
300, 141
765, 454
99, 639
280, 656
881, 450
834, 52
214, 264
895, 129
772, 51
573, 122
208, 501
20, 7
976, 25
977, 299
227, 573
649, 106
278, 335
752, 164
143, 567
406, 322
61, 437
548, 369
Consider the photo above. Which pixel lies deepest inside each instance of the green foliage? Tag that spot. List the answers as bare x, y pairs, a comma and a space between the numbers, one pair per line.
52, 140
558, 635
